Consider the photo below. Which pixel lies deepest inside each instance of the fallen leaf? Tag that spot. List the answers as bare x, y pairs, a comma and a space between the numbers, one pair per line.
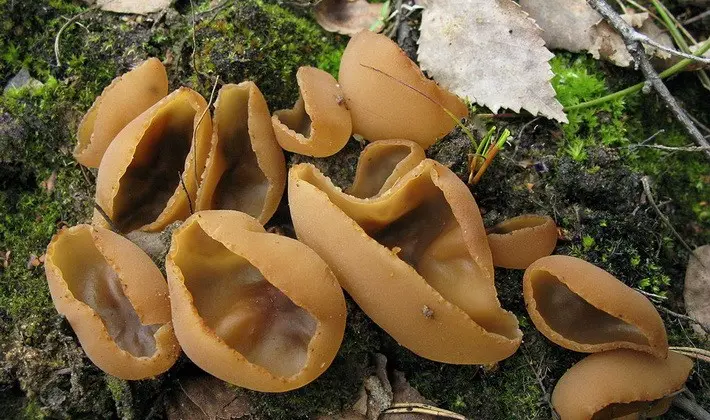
574, 26
490, 52
206, 397
136, 7
349, 17
696, 292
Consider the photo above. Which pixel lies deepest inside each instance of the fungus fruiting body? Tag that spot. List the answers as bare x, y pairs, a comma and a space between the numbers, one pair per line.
246, 169
115, 299
388, 95
522, 240
618, 383
154, 163
583, 308
319, 123
124, 99
419, 244
252, 308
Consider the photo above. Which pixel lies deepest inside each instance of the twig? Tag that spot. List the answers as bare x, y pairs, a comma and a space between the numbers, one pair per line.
705, 328
698, 123
65, 26
675, 148
197, 126
697, 18
187, 193
408, 408
691, 407
637, 36
637, 52
108, 220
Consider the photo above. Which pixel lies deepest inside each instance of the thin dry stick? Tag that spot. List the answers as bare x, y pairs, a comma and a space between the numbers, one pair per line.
194, 131
638, 53
705, 328
691, 407
649, 197
65, 26
189, 200
108, 220
418, 408
693, 350
697, 18
675, 148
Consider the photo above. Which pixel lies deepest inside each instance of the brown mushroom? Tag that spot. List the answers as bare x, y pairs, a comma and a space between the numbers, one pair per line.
390, 98
255, 309
583, 308
246, 169
618, 383
521, 240
414, 257
123, 100
382, 163
141, 177
319, 123
115, 299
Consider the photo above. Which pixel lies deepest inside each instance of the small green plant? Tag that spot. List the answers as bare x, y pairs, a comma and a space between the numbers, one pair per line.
486, 150
575, 149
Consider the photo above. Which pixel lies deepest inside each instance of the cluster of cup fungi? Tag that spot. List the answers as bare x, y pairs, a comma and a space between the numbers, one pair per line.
406, 241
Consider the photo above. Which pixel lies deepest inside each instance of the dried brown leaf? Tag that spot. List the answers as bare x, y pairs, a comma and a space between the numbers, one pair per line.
137, 7
349, 17
206, 397
696, 292
490, 52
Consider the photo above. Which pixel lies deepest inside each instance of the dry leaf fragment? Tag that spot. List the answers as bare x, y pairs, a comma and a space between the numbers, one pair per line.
137, 7
490, 52
349, 17
49, 183
697, 287
206, 397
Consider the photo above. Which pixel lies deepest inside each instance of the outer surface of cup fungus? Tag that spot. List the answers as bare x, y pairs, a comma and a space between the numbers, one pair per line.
246, 169
521, 240
138, 185
583, 308
124, 99
115, 299
319, 124
414, 257
388, 95
255, 309
616, 383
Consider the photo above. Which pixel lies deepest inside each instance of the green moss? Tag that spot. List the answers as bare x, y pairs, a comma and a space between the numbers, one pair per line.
268, 50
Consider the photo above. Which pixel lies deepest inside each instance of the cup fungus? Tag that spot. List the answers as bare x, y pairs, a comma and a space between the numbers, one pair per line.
139, 180
521, 240
388, 95
255, 309
414, 257
115, 299
382, 163
123, 100
246, 169
618, 383
583, 308
319, 123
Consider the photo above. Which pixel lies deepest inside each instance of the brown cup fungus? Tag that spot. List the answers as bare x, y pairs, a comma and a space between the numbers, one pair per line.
246, 169
115, 299
390, 98
583, 308
521, 240
255, 309
153, 163
414, 257
319, 123
123, 100
619, 383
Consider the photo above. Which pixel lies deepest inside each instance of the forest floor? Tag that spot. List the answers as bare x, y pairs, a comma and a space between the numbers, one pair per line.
585, 174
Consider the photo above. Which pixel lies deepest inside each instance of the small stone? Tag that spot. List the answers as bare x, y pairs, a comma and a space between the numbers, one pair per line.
22, 79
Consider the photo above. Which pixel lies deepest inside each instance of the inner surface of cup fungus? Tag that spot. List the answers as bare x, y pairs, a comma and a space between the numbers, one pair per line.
115, 299
246, 169
319, 123
583, 308
414, 258
139, 180
388, 95
252, 308
124, 99
382, 163
521, 240
615, 383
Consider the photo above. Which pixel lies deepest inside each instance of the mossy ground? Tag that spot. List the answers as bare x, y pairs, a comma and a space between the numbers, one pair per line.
585, 174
